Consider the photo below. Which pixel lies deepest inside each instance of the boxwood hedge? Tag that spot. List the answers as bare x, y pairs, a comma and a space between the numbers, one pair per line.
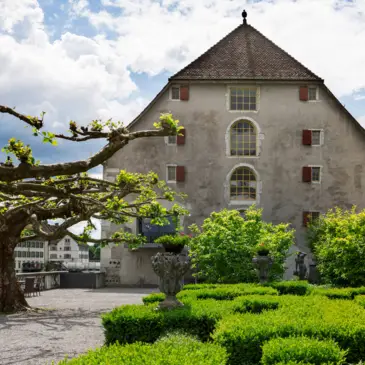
312, 316
172, 350
292, 287
132, 323
302, 349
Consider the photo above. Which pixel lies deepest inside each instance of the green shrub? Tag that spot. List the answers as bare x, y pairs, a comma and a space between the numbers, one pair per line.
223, 248
153, 298
132, 323
255, 304
172, 350
301, 349
338, 242
205, 286
334, 293
312, 316
360, 300
292, 287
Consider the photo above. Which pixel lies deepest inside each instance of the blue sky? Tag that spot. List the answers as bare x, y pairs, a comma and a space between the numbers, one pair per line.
87, 59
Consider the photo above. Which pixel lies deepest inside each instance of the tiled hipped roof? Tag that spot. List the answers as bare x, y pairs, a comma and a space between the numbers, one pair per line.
245, 54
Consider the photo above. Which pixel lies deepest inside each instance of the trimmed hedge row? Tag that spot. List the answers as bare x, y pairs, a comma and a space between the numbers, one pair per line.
132, 323
219, 293
360, 300
311, 316
292, 287
172, 350
301, 349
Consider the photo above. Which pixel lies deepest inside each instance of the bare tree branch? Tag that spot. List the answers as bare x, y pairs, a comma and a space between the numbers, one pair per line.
32, 121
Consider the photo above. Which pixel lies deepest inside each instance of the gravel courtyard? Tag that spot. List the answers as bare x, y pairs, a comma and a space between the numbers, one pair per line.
70, 325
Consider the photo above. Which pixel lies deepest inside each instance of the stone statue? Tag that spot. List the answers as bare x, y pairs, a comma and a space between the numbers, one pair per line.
262, 265
171, 269
300, 267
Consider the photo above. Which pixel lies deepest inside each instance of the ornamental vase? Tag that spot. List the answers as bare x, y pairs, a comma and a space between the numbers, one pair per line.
170, 268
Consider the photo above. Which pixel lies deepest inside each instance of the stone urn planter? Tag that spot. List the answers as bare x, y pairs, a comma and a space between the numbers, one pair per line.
170, 268
262, 264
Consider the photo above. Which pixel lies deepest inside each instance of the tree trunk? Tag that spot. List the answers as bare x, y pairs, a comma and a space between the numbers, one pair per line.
11, 297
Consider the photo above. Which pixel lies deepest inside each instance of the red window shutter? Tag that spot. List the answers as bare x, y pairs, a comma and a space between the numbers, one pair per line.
181, 139
306, 218
184, 93
303, 93
307, 174
307, 137
180, 173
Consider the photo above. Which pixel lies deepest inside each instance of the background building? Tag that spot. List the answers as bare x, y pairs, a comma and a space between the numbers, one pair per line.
260, 128
68, 250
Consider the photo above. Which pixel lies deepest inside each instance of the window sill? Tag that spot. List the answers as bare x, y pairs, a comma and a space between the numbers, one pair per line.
249, 157
174, 100
242, 202
243, 111
171, 181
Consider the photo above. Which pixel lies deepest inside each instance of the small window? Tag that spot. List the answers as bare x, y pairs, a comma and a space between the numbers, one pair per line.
37, 254
24, 254
41, 254
32, 254
243, 98
316, 138
40, 244
67, 256
67, 248
312, 93
316, 174
28, 253
171, 140
53, 256
175, 93
32, 245
171, 173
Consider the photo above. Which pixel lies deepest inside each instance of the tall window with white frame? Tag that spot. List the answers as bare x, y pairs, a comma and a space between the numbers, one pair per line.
243, 185
243, 98
312, 93
243, 139
171, 173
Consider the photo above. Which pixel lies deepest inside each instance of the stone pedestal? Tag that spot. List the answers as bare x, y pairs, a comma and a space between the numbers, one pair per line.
262, 265
171, 269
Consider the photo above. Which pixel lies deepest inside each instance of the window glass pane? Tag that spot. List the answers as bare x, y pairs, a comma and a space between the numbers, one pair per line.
314, 216
175, 93
41, 254
243, 98
171, 140
37, 254
316, 138
316, 171
243, 184
171, 173
243, 139
312, 93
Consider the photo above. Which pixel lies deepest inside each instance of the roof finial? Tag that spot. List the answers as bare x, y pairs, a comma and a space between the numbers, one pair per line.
244, 16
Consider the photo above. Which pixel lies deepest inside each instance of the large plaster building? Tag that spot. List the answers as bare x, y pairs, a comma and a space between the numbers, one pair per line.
260, 128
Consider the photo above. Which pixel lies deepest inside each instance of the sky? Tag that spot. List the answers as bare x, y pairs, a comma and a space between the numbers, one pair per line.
91, 59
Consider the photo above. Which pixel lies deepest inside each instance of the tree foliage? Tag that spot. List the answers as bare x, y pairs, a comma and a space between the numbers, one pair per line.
31, 192
223, 248
338, 242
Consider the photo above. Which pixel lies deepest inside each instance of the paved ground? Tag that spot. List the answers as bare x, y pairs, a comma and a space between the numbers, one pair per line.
70, 325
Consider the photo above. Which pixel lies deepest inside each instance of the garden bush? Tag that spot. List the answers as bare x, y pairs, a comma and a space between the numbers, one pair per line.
172, 350
338, 242
312, 316
301, 349
360, 300
132, 323
223, 248
292, 287
154, 298
334, 293
255, 304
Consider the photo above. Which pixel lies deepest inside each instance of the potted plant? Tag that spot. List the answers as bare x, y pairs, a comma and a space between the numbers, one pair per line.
262, 249
174, 243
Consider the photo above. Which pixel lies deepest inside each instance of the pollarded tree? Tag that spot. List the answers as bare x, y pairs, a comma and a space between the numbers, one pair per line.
31, 192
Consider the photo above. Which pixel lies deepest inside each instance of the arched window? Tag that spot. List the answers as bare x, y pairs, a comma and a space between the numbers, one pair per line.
243, 184
243, 139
